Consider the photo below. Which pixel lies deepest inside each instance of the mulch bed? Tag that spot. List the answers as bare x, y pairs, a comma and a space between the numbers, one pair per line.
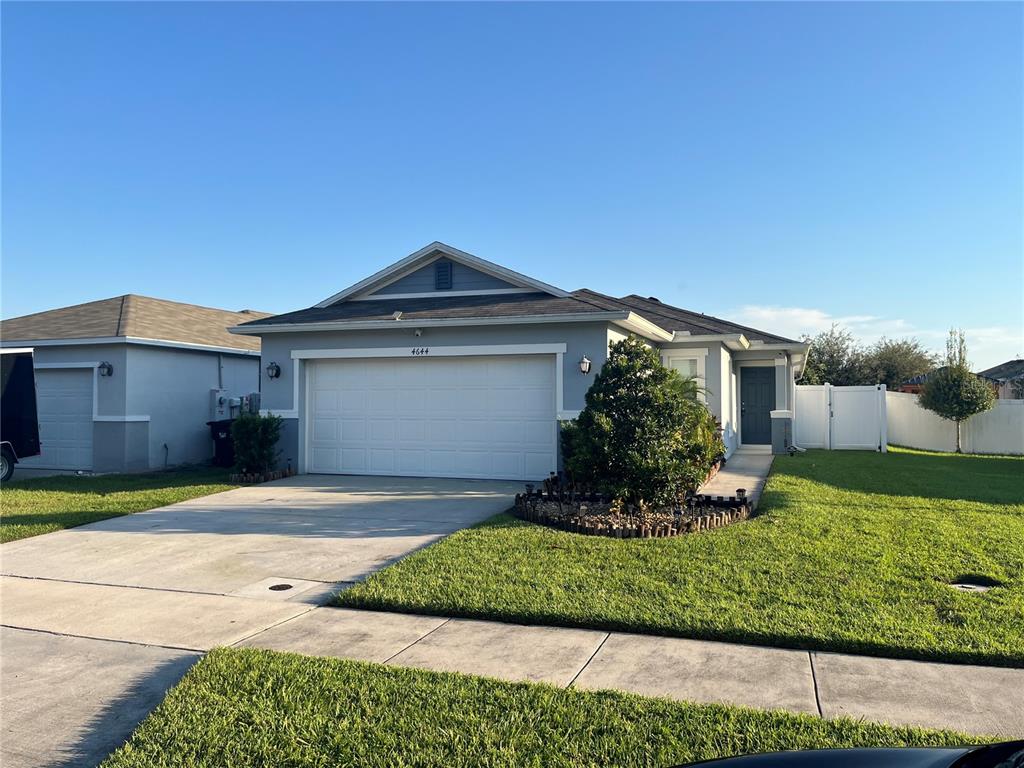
596, 515
249, 478
605, 518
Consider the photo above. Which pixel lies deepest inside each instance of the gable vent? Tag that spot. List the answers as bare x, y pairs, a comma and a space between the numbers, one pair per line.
442, 275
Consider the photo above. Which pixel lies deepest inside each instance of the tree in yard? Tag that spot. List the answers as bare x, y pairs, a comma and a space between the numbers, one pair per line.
953, 391
643, 434
835, 358
893, 361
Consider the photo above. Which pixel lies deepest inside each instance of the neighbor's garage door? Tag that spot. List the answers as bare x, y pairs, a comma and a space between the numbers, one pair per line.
482, 417
64, 403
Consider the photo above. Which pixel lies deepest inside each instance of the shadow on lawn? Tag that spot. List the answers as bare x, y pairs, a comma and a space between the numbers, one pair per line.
985, 479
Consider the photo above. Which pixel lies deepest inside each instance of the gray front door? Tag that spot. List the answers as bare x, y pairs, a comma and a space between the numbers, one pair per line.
757, 399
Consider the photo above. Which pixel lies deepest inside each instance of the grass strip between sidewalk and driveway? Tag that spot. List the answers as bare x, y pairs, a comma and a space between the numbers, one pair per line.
851, 551
255, 707
46, 504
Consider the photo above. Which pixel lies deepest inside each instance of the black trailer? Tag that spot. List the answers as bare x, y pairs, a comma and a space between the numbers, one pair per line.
19, 420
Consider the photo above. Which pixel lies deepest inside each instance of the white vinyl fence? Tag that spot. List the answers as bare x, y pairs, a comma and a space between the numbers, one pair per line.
1000, 430
840, 418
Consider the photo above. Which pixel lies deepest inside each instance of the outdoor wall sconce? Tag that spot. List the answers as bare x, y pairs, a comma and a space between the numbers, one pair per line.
105, 369
273, 371
585, 365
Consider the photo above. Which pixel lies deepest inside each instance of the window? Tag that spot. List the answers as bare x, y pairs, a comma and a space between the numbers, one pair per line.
690, 363
442, 275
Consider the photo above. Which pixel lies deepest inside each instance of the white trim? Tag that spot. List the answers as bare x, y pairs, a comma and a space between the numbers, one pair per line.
289, 414
440, 351
413, 261
67, 365
781, 414
15, 350
359, 325
734, 341
95, 390
700, 354
568, 415
137, 340
781, 361
628, 320
440, 294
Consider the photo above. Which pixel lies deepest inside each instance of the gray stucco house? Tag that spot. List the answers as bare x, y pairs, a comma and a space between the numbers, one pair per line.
447, 365
124, 384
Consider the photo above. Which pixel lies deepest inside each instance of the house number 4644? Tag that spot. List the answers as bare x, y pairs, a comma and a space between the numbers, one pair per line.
421, 350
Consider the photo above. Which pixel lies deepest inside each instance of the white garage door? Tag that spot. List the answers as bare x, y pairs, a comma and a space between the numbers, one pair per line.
483, 417
64, 403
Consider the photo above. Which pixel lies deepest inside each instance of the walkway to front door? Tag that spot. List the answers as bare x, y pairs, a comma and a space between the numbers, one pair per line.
757, 399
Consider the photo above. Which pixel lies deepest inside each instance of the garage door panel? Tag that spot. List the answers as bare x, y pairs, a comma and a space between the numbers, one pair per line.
412, 462
537, 465
325, 430
488, 417
64, 405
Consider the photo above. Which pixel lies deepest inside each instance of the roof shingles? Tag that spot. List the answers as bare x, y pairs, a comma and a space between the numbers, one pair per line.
583, 301
135, 316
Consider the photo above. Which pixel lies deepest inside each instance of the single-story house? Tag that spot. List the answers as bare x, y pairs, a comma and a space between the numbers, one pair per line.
915, 384
124, 384
1009, 379
447, 365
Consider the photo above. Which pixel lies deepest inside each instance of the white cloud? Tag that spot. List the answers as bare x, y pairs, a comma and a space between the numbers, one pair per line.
987, 345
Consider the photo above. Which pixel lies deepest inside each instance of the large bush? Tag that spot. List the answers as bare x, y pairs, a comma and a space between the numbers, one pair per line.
643, 435
255, 438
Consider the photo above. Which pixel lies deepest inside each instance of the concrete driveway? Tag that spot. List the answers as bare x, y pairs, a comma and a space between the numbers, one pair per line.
100, 620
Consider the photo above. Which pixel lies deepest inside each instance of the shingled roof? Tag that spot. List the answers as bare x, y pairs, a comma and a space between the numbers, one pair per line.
1011, 369
482, 307
138, 317
676, 319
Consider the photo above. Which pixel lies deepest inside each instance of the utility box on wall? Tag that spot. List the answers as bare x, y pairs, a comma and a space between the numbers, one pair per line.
782, 431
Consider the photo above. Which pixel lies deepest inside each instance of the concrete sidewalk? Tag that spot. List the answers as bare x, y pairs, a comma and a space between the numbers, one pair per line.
978, 700
745, 469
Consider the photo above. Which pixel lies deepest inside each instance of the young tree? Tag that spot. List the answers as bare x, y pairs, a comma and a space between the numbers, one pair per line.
835, 358
953, 391
893, 361
643, 435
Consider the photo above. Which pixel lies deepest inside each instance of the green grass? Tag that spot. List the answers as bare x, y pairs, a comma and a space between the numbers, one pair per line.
851, 552
46, 504
248, 707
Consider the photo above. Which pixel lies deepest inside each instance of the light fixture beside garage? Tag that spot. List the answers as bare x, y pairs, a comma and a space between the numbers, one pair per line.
585, 365
105, 369
273, 371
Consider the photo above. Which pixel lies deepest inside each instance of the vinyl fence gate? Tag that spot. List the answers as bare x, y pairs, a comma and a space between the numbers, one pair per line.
840, 418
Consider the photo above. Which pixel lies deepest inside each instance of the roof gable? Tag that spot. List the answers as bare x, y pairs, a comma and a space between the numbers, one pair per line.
507, 279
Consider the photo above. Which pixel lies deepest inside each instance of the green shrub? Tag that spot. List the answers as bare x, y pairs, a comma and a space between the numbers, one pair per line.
255, 438
643, 435
953, 392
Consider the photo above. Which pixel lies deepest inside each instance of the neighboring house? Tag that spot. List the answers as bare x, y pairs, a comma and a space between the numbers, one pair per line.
124, 384
915, 384
447, 365
1009, 378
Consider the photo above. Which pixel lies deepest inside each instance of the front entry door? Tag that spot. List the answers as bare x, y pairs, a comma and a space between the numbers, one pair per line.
757, 399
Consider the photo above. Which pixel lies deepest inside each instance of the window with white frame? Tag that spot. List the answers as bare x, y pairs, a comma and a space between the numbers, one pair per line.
691, 364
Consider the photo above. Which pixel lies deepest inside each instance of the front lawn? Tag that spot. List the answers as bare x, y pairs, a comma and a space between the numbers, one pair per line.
253, 707
850, 552
46, 504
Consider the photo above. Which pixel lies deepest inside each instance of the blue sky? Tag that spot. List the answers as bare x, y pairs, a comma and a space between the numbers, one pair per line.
786, 165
